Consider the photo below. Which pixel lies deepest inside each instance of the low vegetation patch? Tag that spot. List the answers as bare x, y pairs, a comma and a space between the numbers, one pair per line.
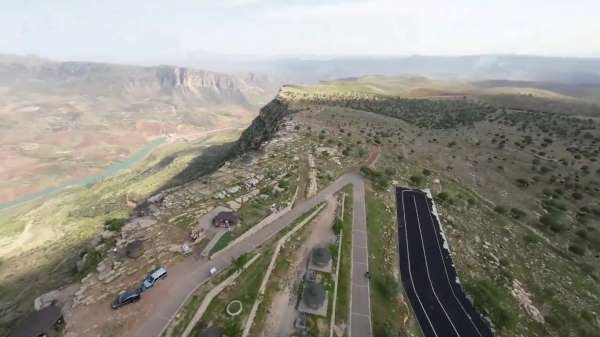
385, 287
494, 301
222, 243
115, 224
380, 179
343, 293
245, 289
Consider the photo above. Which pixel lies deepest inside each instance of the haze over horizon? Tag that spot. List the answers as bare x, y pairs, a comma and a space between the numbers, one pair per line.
149, 32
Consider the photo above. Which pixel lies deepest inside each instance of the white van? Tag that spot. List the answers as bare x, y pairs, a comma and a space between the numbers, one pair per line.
156, 275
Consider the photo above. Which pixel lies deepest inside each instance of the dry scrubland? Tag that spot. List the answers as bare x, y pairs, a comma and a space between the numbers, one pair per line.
42, 241
66, 120
517, 190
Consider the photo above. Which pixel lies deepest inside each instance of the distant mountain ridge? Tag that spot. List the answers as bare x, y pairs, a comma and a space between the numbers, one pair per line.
32, 73
569, 70
62, 120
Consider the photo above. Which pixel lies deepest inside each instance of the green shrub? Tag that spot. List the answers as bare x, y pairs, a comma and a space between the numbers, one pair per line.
232, 328
284, 183
389, 171
523, 183
443, 196
417, 180
386, 285
380, 180
517, 213
115, 224
530, 239
495, 301
93, 257
337, 226
500, 209
386, 330
553, 205
556, 221
577, 196
576, 249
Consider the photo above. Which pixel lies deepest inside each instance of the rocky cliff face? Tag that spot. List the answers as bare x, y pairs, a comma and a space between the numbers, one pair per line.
133, 82
263, 127
194, 81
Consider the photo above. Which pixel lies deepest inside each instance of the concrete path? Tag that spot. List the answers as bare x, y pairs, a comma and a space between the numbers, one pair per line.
191, 273
212, 294
263, 285
360, 301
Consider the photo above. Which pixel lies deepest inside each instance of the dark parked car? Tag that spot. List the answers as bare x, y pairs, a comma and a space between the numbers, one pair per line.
126, 297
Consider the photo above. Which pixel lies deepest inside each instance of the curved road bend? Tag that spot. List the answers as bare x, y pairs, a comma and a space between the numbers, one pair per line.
428, 275
165, 304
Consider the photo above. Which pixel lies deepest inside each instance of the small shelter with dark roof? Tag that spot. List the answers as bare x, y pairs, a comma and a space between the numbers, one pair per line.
46, 322
134, 249
320, 260
212, 331
314, 299
226, 219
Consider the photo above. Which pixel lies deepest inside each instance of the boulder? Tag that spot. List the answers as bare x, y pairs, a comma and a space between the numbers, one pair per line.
81, 263
112, 276
96, 241
46, 300
102, 267
233, 189
107, 235
156, 198
107, 274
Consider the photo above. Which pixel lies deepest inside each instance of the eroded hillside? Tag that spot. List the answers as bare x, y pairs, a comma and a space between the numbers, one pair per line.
517, 191
61, 121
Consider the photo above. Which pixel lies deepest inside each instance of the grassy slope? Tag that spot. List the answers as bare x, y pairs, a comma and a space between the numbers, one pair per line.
64, 223
277, 279
245, 290
343, 294
389, 315
493, 250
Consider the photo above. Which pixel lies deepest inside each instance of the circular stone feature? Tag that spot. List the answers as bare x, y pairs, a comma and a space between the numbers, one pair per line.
313, 295
234, 308
134, 249
321, 256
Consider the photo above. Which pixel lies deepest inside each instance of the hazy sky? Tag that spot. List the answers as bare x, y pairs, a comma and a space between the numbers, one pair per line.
149, 31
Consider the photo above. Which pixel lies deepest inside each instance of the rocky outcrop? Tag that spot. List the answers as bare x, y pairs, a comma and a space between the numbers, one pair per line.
263, 127
194, 81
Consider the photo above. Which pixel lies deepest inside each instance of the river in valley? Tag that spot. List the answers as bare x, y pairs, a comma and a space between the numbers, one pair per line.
107, 172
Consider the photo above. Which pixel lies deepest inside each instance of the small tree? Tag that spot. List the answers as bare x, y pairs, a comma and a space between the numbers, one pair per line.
500, 209
240, 262
417, 180
523, 183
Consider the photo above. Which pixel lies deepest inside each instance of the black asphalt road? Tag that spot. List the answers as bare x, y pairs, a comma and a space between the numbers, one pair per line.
428, 274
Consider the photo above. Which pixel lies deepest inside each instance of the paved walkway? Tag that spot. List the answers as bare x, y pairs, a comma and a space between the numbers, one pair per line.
360, 303
193, 274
